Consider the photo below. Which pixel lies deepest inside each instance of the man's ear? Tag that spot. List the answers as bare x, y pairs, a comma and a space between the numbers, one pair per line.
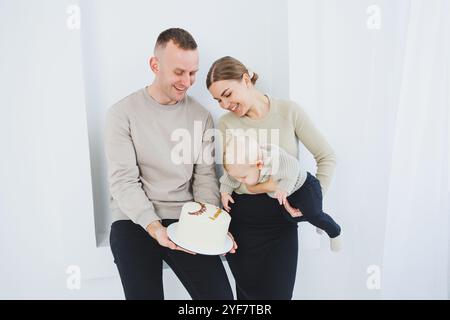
154, 64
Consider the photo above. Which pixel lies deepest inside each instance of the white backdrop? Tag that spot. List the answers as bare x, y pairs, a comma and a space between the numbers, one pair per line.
373, 75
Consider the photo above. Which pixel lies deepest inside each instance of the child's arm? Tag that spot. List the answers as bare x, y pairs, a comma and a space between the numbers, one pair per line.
227, 186
286, 174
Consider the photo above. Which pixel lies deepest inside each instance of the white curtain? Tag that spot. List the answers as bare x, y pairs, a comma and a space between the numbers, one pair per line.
415, 260
375, 77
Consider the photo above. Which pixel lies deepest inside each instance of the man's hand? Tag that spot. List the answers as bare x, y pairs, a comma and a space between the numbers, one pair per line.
158, 232
225, 198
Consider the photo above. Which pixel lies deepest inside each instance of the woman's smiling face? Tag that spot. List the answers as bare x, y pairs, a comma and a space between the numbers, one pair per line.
232, 95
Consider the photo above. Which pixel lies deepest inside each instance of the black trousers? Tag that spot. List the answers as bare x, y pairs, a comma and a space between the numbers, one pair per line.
139, 260
309, 200
265, 263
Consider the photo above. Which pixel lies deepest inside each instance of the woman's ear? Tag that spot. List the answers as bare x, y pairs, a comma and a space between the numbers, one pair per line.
247, 80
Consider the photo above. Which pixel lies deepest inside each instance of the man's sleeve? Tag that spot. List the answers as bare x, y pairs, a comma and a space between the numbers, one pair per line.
123, 172
205, 186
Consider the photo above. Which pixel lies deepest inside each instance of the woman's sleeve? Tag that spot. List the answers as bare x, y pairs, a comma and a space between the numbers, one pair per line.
316, 143
221, 138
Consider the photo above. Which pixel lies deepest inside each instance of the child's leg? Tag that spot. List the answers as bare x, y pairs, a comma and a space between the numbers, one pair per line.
309, 200
326, 223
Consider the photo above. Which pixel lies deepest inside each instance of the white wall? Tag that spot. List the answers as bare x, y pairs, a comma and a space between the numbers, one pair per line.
45, 162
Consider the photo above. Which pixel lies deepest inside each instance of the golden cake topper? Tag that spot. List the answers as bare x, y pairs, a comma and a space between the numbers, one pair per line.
218, 212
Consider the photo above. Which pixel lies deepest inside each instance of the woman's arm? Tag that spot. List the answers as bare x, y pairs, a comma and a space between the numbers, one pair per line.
316, 143
265, 187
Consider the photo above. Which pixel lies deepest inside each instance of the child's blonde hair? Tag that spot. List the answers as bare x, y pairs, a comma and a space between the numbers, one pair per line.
241, 149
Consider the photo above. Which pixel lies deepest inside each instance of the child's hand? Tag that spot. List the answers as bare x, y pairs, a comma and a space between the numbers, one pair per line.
294, 212
225, 197
281, 196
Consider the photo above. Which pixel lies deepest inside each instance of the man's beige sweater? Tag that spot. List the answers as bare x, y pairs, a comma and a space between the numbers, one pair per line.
148, 180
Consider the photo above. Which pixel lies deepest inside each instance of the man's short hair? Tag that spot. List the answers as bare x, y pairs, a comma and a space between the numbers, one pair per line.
180, 37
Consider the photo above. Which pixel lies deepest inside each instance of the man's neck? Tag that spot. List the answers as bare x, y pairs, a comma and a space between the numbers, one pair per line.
156, 93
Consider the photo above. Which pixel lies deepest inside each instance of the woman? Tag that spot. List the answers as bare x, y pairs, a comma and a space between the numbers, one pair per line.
265, 265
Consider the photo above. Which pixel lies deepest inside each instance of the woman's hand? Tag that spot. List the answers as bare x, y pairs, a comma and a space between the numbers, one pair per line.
234, 247
265, 187
281, 196
294, 212
282, 199
225, 197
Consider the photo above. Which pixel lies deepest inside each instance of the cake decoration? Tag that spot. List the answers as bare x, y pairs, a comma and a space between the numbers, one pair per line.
202, 228
200, 211
218, 212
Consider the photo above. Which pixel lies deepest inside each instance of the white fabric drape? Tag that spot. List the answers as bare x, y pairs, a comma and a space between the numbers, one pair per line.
381, 97
415, 260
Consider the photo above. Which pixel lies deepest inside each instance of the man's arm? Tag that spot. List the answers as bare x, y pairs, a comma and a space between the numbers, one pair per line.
123, 172
205, 186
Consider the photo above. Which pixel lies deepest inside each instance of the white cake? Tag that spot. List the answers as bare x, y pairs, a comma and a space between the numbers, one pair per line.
203, 225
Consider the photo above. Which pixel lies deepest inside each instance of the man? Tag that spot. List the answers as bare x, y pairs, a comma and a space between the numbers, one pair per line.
148, 188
